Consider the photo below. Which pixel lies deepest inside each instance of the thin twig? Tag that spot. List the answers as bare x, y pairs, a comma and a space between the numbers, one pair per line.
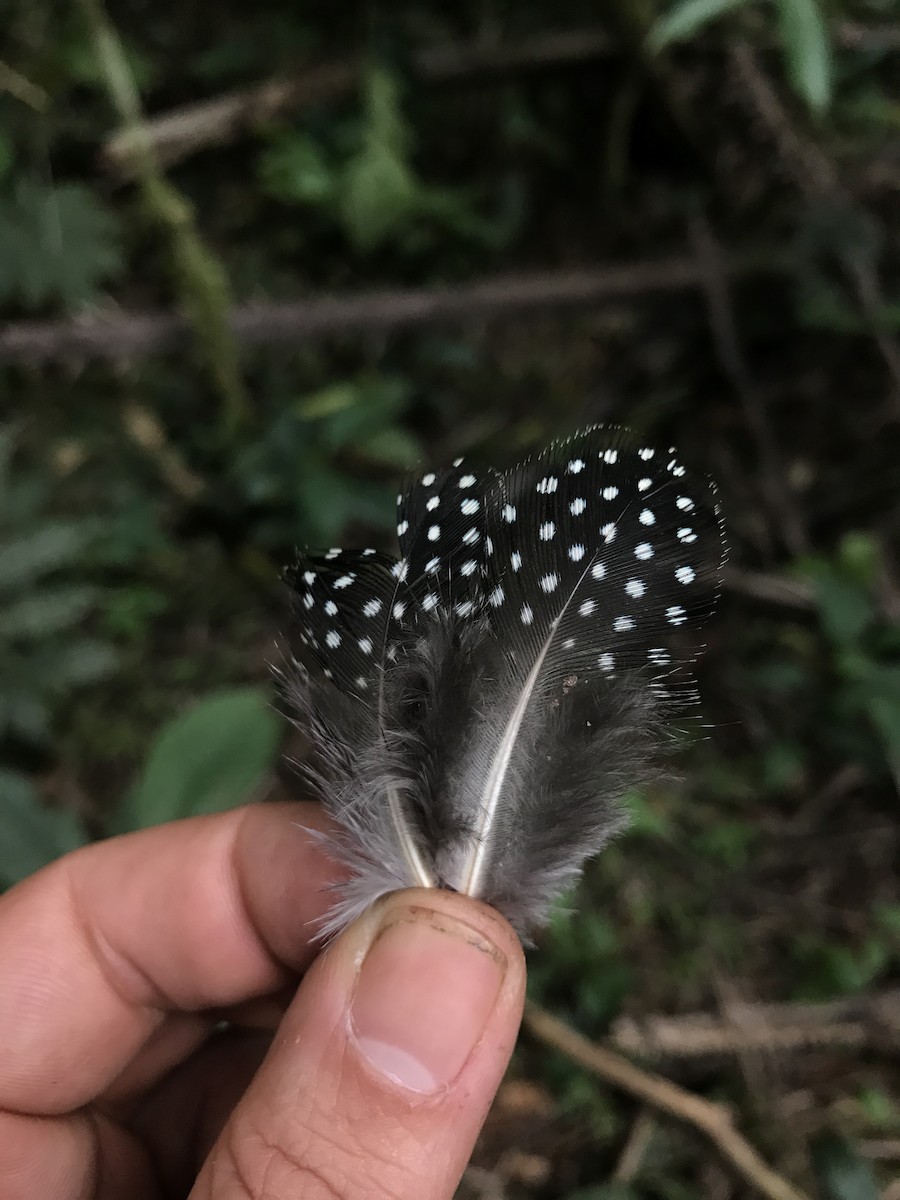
712, 1120
635, 1148
780, 499
316, 317
773, 589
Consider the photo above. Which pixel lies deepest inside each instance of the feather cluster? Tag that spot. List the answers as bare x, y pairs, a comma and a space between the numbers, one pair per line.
481, 706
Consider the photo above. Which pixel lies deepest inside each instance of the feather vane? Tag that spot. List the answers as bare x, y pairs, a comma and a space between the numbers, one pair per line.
482, 705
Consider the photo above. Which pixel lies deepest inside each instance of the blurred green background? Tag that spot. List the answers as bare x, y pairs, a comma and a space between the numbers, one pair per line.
351, 239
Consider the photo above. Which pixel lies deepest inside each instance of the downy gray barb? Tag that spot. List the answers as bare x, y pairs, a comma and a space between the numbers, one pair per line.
480, 706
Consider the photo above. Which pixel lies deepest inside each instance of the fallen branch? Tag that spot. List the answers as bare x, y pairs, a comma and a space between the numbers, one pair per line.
872, 1021
502, 297
183, 131
712, 1120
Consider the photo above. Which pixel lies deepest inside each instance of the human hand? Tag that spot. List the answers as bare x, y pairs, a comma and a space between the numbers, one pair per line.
118, 961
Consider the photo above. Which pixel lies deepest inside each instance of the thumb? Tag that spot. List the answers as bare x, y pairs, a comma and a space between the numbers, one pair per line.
385, 1065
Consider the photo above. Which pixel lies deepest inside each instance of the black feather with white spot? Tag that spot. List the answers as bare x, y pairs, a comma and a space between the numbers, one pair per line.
491, 695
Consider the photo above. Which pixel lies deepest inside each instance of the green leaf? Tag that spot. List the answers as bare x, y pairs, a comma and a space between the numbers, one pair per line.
295, 170
56, 243
31, 833
24, 716
807, 51
213, 757
686, 19
393, 446
76, 664
882, 702
34, 555
7, 153
379, 190
843, 1172
327, 401
845, 608
46, 613
859, 556
646, 819
7, 449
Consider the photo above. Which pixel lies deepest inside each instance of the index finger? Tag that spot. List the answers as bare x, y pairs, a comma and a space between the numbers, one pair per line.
101, 946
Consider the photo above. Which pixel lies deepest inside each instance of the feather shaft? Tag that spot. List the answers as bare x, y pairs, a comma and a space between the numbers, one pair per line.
489, 803
407, 842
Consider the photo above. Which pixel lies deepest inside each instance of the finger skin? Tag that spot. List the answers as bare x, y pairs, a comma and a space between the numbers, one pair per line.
83, 1156
99, 948
102, 948
321, 1121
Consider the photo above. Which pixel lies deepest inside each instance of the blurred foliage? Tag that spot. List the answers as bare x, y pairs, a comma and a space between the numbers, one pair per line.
363, 179
843, 1173
33, 834
56, 244
148, 503
802, 30
290, 478
44, 602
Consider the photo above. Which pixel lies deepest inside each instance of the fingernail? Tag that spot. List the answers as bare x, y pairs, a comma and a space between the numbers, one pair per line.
424, 994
